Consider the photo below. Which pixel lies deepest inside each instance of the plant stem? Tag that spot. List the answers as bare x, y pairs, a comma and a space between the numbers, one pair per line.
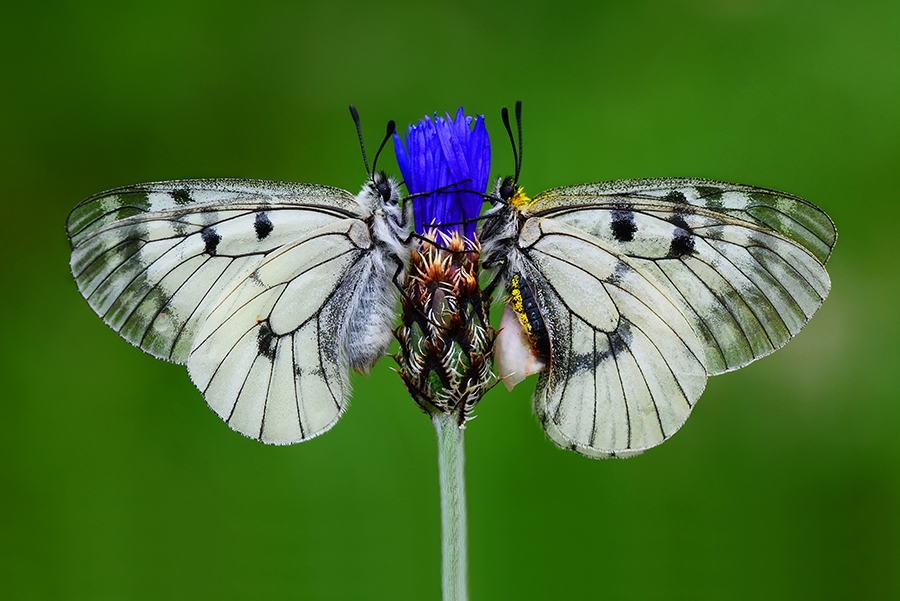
453, 506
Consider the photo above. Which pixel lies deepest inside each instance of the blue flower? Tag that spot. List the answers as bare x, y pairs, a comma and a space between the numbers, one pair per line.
438, 154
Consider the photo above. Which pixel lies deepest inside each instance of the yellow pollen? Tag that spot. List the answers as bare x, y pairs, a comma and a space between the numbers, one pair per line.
518, 305
519, 200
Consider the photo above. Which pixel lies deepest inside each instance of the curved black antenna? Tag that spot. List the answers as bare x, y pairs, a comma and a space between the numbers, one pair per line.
519, 127
362, 146
517, 156
504, 113
391, 128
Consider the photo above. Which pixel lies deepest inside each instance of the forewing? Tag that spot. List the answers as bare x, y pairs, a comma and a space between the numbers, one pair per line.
626, 367
745, 265
152, 259
270, 359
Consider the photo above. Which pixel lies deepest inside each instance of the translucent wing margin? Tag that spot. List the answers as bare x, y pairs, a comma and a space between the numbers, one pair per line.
151, 259
790, 216
744, 264
626, 367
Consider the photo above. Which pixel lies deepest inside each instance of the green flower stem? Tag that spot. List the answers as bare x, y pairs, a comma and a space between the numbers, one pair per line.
453, 506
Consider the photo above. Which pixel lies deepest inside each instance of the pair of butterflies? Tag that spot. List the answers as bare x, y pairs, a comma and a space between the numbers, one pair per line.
635, 292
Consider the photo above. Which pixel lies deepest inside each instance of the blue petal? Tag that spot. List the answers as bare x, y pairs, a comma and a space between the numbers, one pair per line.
442, 157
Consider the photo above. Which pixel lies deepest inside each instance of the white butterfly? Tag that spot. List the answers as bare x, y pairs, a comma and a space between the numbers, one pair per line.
268, 291
632, 292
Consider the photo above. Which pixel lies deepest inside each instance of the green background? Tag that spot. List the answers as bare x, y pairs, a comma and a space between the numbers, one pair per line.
118, 482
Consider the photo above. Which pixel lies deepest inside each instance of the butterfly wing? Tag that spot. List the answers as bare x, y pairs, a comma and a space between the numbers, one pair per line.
626, 366
271, 358
744, 264
151, 259
177, 268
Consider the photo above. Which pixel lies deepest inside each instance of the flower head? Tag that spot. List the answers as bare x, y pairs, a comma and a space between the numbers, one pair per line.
448, 161
445, 336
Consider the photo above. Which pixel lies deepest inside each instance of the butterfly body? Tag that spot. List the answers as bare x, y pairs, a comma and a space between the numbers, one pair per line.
647, 287
524, 304
269, 292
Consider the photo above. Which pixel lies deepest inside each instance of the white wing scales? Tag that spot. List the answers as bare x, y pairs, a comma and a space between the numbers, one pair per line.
150, 260
625, 367
295, 300
251, 283
647, 287
790, 216
270, 292
744, 264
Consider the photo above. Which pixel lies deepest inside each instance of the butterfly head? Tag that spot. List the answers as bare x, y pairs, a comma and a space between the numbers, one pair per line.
385, 190
380, 192
509, 193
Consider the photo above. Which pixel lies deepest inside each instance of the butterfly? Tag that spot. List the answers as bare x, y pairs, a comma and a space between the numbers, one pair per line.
269, 292
627, 295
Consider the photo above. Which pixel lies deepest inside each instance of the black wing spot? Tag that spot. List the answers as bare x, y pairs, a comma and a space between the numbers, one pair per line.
263, 226
582, 362
678, 221
135, 202
622, 269
682, 239
711, 196
621, 339
710, 192
676, 196
682, 244
181, 196
623, 226
266, 341
211, 239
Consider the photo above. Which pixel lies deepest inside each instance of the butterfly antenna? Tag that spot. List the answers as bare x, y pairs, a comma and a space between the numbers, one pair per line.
391, 128
504, 113
519, 127
517, 155
362, 146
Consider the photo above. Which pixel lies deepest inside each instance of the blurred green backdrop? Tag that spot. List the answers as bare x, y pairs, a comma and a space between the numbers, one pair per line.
118, 482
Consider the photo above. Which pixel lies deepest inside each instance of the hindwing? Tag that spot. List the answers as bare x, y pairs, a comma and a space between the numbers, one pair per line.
625, 366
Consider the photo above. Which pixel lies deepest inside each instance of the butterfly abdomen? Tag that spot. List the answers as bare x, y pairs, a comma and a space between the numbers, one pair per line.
369, 327
525, 305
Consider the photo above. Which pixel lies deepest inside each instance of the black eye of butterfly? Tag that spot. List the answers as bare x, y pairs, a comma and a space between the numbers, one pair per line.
508, 189
384, 191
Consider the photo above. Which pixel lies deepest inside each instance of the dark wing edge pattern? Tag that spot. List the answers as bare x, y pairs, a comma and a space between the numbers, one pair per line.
790, 216
198, 195
746, 288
